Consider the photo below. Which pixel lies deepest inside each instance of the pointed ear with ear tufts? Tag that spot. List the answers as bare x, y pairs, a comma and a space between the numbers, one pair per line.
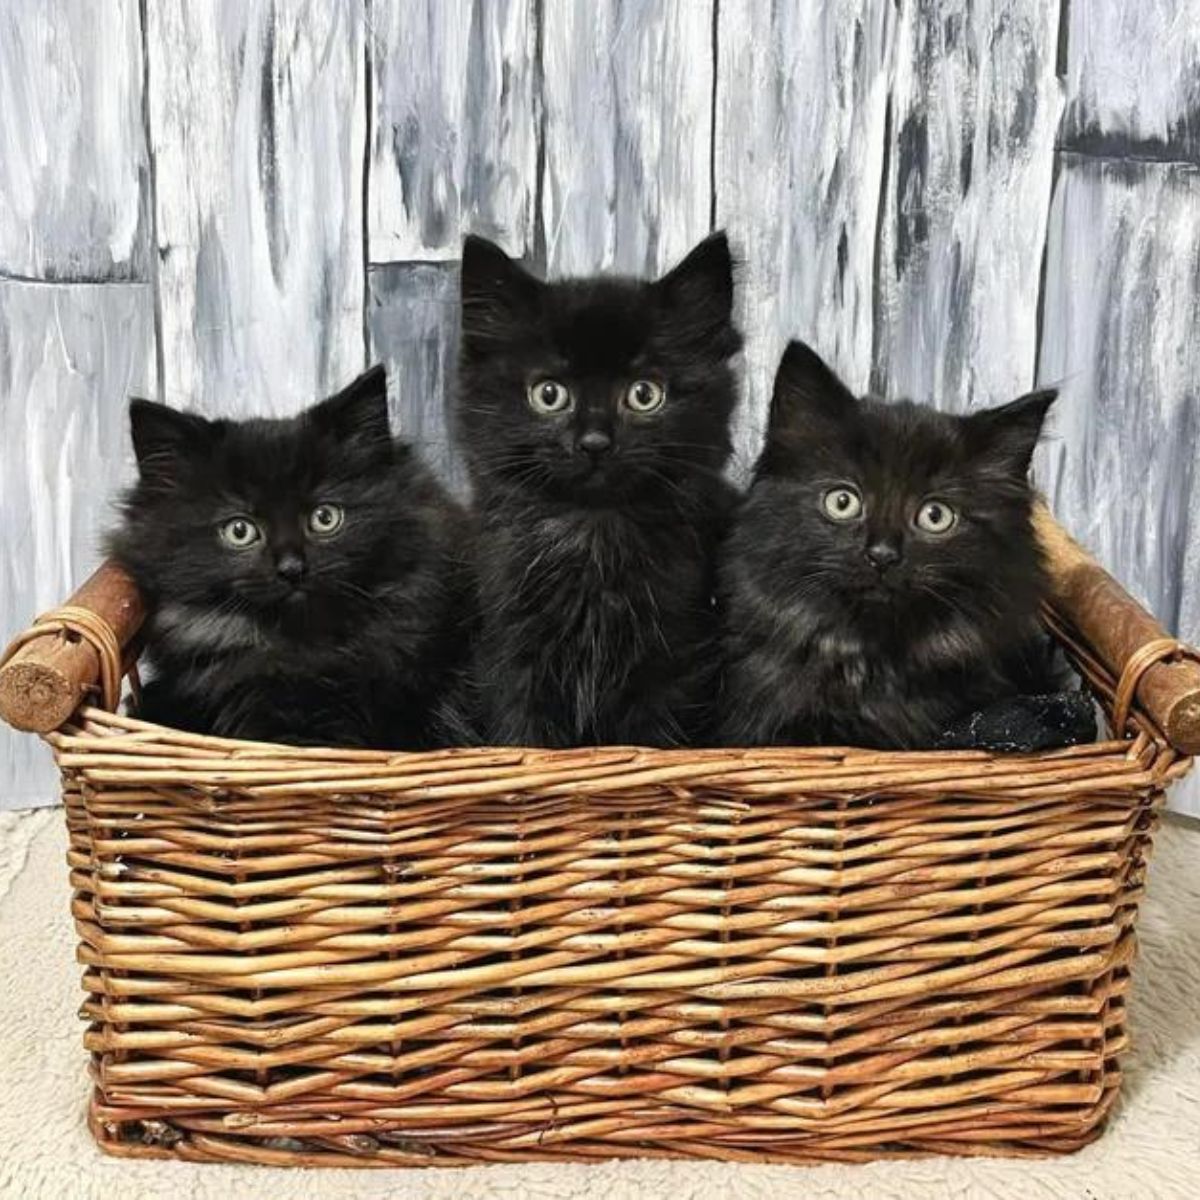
1008, 435
357, 416
806, 389
497, 293
165, 440
696, 296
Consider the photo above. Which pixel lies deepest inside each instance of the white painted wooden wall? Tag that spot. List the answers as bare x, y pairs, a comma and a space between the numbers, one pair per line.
237, 204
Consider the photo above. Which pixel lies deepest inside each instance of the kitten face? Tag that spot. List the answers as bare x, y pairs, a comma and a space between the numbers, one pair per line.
897, 511
268, 525
596, 390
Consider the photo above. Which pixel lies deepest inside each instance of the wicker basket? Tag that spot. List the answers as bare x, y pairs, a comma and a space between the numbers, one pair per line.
356, 958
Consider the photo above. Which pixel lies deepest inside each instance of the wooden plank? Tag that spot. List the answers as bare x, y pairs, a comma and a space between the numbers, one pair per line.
800, 125
627, 182
454, 126
1122, 305
69, 358
975, 106
413, 320
257, 125
1132, 85
72, 145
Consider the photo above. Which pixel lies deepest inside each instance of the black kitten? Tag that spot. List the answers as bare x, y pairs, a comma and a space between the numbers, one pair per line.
883, 577
594, 418
305, 576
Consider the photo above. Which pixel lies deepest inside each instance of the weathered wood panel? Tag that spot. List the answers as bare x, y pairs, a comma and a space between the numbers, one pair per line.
257, 126
72, 145
1122, 308
1133, 78
413, 319
627, 183
800, 131
975, 107
454, 126
69, 359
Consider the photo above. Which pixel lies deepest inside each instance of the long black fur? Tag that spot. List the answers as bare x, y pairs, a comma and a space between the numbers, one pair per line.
596, 575
823, 647
355, 652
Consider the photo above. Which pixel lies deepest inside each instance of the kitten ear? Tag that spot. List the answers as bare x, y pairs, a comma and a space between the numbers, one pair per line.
357, 416
697, 294
806, 387
702, 281
1009, 434
496, 291
165, 438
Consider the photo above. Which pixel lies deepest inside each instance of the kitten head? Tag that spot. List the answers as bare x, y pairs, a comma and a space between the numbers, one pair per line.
263, 524
899, 512
596, 389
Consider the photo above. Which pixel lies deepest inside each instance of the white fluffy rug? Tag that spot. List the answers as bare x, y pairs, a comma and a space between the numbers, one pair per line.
1151, 1149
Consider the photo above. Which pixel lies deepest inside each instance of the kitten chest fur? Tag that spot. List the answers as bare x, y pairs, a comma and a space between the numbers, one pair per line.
589, 612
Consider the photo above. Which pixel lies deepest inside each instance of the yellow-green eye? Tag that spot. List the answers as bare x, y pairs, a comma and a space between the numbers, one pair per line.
326, 519
936, 516
645, 396
842, 503
240, 532
549, 397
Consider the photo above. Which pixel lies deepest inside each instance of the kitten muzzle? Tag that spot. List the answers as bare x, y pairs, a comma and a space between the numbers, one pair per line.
883, 554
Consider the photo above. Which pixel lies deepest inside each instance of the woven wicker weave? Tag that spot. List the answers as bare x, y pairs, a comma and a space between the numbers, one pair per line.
308, 956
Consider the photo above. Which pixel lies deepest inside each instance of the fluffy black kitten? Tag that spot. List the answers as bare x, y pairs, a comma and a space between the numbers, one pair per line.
594, 418
883, 578
306, 576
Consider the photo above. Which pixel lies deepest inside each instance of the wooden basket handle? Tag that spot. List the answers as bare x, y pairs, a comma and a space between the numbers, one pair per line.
1151, 667
53, 667
80, 648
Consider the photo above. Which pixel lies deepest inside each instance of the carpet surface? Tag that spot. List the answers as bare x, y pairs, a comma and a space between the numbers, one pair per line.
1151, 1148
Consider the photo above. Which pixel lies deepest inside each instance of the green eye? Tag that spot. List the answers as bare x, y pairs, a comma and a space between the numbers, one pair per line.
240, 532
645, 396
936, 516
549, 397
326, 519
842, 503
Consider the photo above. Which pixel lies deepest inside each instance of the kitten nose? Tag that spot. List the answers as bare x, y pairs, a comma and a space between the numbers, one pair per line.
595, 441
290, 567
882, 555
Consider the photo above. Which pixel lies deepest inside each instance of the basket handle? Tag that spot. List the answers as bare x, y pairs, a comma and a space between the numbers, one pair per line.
49, 670
1151, 667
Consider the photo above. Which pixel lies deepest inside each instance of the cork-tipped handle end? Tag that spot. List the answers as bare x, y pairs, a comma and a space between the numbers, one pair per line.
1150, 666
72, 653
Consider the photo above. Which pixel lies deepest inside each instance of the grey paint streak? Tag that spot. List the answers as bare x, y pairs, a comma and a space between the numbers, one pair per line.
801, 97
628, 130
72, 154
413, 321
257, 125
1120, 340
454, 143
975, 104
1134, 79
69, 358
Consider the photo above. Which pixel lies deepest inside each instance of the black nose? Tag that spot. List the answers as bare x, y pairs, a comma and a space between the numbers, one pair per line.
595, 442
882, 555
290, 567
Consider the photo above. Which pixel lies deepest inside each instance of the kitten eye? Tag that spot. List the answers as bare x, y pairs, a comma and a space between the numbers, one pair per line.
645, 396
936, 516
549, 397
842, 504
326, 519
240, 532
